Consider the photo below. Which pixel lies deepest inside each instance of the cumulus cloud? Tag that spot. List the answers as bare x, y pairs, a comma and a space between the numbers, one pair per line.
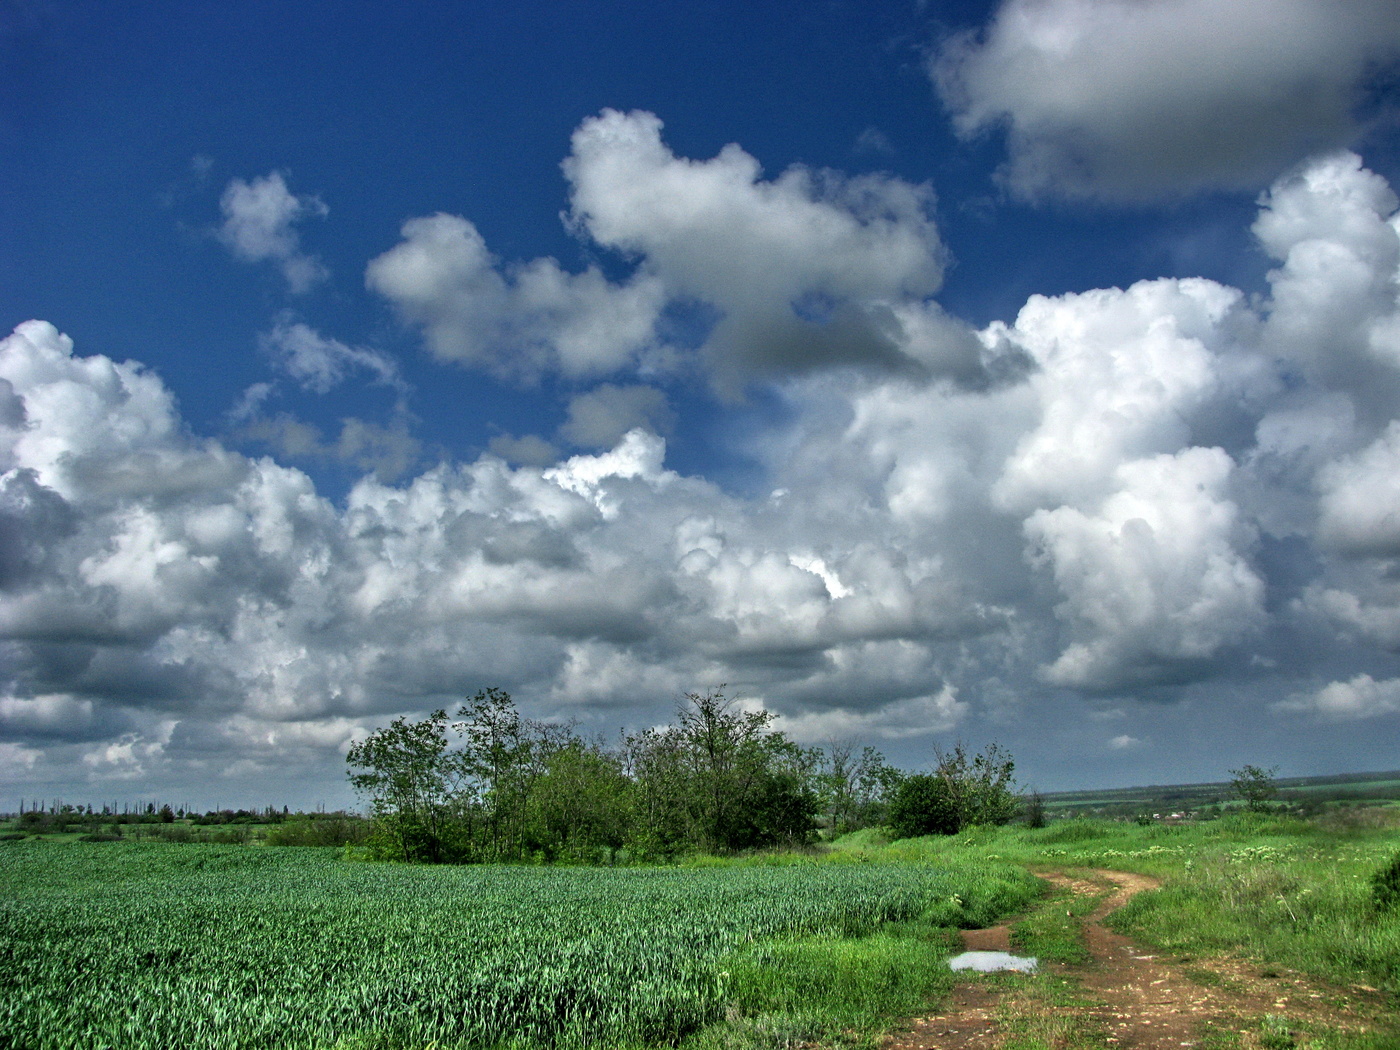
804, 269
1360, 498
1105, 517
1127, 100
518, 322
599, 417
1154, 578
260, 226
808, 271
1362, 697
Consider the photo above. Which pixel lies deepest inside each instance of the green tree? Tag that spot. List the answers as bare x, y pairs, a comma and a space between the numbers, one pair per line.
963, 790
1255, 786
719, 779
855, 788
412, 782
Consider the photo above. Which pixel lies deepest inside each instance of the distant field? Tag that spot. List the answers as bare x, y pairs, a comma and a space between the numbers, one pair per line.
161, 945
1169, 798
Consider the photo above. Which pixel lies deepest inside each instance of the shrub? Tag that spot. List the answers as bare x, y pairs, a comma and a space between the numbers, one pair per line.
924, 805
1385, 885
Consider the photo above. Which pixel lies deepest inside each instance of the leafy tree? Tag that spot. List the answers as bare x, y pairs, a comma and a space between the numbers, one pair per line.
412, 782
962, 791
719, 779
581, 805
924, 805
855, 789
1255, 786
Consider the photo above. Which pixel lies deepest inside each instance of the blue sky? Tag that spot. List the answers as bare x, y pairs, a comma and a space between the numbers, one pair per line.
1019, 371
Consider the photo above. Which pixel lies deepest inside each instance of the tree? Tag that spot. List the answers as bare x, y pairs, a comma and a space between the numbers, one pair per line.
412, 782
719, 779
855, 789
1033, 810
963, 790
1254, 786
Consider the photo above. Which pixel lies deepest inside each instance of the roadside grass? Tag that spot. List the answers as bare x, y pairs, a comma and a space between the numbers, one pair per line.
1290, 893
844, 988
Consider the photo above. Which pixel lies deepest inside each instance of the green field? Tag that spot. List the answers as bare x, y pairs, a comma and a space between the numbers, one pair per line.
155, 945
142, 946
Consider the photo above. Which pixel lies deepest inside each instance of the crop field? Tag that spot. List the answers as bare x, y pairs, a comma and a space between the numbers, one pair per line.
142, 946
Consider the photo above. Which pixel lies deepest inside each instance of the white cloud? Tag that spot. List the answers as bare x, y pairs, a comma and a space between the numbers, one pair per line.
1153, 579
319, 363
879, 585
518, 322
1119, 375
1131, 99
803, 268
1362, 697
1335, 229
259, 226
1360, 498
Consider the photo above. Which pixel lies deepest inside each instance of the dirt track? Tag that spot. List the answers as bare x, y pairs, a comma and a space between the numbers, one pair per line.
1127, 997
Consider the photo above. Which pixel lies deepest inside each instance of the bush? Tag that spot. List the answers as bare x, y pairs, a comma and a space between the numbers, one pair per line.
963, 791
1385, 885
924, 805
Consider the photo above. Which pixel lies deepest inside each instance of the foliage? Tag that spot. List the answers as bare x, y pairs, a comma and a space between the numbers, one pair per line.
1033, 810
492, 785
151, 946
965, 790
1254, 786
855, 790
1385, 886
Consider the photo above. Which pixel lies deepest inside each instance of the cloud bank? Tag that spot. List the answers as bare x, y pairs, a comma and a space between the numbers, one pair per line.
1098, 520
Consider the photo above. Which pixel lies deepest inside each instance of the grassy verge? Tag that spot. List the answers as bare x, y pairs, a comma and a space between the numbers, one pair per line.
1290, 893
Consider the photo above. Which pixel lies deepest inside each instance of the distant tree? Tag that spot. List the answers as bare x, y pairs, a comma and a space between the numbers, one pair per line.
1033, 810
1254, 786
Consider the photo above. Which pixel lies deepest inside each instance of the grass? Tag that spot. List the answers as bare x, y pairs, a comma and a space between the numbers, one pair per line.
1288, 892
103, 944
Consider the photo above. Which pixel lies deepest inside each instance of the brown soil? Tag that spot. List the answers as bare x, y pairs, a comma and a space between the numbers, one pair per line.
1135, 998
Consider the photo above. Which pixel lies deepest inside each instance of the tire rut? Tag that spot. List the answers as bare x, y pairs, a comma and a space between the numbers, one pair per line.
1135, 999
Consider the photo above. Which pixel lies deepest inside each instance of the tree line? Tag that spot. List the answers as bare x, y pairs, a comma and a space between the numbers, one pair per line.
490, 785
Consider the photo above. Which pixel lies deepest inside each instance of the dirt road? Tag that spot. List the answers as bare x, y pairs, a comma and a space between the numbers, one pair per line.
1130, 998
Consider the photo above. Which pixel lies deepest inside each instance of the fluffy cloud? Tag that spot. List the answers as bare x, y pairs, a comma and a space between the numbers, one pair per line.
803, 269
518, 322
738, 276
1105, 516
1154, 579
259, 226
1362, 697
1361, 498
1130, 99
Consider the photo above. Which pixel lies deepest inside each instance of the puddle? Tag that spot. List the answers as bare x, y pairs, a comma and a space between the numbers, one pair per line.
992, 962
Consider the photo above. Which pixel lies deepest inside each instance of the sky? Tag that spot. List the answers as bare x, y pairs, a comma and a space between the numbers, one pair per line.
1022, 372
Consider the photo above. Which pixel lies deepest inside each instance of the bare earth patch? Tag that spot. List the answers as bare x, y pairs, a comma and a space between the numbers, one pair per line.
1130, 998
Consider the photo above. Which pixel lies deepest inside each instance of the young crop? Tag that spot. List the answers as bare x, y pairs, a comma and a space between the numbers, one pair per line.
146, 946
